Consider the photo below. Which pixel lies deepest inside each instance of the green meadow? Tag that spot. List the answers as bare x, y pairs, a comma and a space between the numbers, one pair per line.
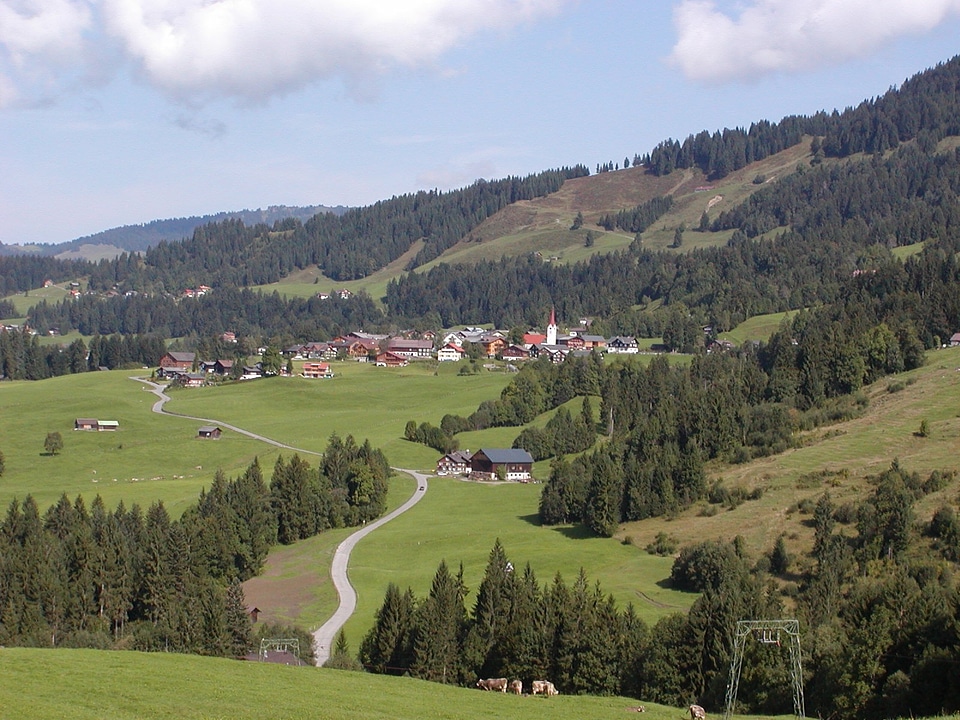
155, 456
759, 327
96, 685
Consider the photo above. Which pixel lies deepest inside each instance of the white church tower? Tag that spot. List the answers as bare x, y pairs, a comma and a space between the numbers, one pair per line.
552, 328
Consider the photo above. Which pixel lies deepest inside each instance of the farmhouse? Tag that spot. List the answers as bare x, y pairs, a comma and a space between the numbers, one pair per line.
955, 340
411, 348
317, 370
622, 344
210, 432
515, 352
454, 463
514, 464
389, 359
85, 424
450, 353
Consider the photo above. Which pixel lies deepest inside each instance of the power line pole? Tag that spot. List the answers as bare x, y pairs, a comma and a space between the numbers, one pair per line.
768, 632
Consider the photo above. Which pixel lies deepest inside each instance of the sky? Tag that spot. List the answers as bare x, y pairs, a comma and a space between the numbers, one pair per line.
117, 112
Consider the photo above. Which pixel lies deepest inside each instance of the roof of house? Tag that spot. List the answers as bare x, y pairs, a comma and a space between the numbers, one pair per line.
507, 455
412, 344
209, 429
182, 356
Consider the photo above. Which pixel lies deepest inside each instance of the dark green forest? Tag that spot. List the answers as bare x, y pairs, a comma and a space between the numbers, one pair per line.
125, 579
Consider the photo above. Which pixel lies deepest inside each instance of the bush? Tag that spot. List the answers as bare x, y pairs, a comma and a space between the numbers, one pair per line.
663, 545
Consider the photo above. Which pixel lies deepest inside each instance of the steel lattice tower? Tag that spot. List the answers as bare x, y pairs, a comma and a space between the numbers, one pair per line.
768, 632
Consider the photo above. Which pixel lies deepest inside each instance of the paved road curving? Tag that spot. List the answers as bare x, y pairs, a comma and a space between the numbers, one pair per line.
323, 637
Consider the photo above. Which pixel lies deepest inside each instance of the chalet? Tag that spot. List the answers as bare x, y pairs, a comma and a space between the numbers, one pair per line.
623, 344
555, 353
251, 372
574, 342
389, 359
229, 337
512, 464
85, 424
493, 344
210, 432
217, 367
515, 353
318, 350
411, 348
191, 380
955, 340
454, 463
317, 370
450, 353
714, 346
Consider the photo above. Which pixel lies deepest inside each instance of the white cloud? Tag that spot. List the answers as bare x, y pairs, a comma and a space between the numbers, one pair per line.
244, 49
769, 36
252, 49
38, 38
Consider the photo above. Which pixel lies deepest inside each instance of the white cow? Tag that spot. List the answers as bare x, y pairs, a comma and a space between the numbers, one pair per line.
493, 684
543, 687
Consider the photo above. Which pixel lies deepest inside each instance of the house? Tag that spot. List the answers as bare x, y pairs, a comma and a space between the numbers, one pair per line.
622, 344
85, 424
251, 372
574, 342
107, 425
389, 359
594, 341
451, 353
317, 370
411, 348
493, 344
217, 367
210, 432
491, 463
532, 338
454, 463
229, 337
192, 380
955, 340
515, 352
177, 361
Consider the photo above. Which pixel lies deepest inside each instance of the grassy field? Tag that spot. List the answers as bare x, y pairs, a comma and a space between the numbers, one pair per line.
98, 685
137, 463
759, 327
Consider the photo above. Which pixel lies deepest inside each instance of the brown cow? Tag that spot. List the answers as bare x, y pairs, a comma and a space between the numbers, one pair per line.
543, 687
516, 687
493, 684
697, 713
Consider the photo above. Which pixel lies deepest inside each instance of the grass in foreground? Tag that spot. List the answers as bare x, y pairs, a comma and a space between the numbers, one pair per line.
91, 684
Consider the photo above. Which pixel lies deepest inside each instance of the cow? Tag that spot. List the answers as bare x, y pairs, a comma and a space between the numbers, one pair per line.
493, 684
543, 687
516, 687
697, 713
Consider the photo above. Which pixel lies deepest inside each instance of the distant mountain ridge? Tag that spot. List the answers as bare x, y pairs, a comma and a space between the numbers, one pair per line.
138, 238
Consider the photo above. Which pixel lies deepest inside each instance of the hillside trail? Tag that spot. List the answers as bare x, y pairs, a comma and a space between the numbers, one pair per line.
324, 636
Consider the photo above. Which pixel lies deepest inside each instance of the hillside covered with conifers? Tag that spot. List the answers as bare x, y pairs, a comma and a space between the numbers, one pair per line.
875, 184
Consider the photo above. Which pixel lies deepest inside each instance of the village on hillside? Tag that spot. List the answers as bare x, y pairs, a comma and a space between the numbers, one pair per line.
392, 351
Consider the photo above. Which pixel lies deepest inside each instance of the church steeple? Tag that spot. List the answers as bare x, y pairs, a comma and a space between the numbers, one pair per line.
552, 328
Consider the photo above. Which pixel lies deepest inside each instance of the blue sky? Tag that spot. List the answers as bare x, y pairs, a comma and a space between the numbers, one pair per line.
116, 112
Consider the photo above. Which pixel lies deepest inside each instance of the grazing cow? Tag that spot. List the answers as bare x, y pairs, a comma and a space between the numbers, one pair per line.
516, 687
493, 684
697, 713
543, 687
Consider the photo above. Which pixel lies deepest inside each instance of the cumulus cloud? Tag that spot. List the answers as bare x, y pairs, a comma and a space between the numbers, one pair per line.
250, 49
38, 39
768, 36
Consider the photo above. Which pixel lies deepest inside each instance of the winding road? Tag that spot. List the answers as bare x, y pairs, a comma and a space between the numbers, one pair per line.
324, 636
